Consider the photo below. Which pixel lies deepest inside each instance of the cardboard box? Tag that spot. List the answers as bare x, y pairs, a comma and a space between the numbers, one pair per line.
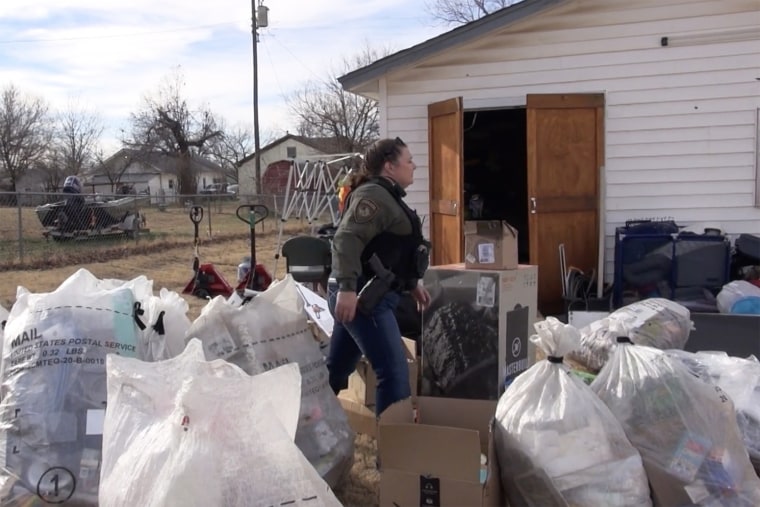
475, 332
490, 244
361, 418
363, 382
437, 461
667, 489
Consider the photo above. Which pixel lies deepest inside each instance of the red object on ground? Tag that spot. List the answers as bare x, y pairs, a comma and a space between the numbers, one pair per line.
209, 282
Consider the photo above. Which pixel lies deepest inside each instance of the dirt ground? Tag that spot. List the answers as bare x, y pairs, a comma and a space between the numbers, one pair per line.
171, 267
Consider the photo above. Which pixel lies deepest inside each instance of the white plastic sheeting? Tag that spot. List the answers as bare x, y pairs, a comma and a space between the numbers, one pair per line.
269, 331
204, 434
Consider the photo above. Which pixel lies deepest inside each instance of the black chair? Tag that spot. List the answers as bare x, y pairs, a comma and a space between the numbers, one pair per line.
308, 259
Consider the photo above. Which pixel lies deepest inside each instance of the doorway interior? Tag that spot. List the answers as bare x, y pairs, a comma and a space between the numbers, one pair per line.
496, 170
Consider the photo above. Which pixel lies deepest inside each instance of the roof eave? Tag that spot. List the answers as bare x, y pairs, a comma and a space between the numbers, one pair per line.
361, 78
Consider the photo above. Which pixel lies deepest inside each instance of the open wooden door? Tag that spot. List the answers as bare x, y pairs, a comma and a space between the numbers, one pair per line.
445, 141
565, 154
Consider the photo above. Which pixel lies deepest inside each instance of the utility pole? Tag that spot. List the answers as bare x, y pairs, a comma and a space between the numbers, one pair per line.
259, 18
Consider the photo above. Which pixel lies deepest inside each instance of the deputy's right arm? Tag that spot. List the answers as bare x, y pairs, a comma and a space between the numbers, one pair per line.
370, 212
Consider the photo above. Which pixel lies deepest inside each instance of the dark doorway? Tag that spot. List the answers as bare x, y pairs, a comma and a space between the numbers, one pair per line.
496, 170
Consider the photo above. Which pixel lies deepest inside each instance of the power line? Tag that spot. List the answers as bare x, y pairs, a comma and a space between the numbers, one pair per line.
274, 37
274, 70
115, 36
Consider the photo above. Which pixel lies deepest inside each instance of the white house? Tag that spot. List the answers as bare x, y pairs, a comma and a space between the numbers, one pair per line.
569, 117
152, 173
287, 147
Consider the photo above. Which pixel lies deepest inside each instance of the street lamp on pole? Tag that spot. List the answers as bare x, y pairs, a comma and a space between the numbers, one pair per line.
259, 18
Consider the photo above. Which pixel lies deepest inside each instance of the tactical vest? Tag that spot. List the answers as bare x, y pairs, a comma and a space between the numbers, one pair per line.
407, 256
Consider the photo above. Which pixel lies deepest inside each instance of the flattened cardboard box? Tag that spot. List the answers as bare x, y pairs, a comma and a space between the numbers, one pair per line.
475, 332
490, 244
437, 461
363, 382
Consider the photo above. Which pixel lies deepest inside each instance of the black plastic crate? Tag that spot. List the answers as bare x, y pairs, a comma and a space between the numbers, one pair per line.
643, 259
653, 259
702, 261
748, 245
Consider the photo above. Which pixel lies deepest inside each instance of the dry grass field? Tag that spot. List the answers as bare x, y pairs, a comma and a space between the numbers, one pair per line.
165, 256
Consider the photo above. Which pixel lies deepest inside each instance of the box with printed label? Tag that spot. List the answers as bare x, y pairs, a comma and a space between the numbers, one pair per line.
475, 332
445, 457
490, 244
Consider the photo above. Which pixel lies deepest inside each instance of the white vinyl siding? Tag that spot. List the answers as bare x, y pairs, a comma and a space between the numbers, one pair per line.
680, 122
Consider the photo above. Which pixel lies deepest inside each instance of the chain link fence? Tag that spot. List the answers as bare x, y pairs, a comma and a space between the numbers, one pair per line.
43, 229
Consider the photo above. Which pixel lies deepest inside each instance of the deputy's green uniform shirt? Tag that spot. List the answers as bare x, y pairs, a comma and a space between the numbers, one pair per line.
371, 210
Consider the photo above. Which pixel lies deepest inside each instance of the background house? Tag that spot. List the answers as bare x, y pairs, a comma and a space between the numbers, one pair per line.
570, 117
33, 180
287, 147
132, 171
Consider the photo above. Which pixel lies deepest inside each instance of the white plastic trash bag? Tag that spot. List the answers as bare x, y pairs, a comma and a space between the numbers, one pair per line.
740, 297
54, 386
685, 429
557, 443
192, 433
740, 379
655, 322
267, 332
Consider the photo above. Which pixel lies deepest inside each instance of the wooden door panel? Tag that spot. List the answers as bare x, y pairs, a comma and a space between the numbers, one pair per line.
445, 141
577, 230
565, 153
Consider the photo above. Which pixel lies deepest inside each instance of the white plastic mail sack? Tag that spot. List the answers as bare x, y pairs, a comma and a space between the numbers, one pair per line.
267, 332
685, 429
740, 379
192, 433
655, 322
162, 320
3, 317
557, 443
54, 385
164, 326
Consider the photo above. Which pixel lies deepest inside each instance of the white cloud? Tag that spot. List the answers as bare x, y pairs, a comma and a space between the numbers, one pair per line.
110, 55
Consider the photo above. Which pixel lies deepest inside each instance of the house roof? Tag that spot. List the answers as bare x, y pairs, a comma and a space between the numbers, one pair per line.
127, 178
159, 162
326, 145
456, 37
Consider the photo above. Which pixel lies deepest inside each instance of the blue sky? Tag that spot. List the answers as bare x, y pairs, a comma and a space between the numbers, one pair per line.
107, 54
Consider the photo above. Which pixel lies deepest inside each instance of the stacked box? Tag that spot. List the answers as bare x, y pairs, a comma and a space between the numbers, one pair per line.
475, 333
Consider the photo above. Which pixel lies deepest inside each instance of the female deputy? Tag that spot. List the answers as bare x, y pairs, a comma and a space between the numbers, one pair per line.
379, 244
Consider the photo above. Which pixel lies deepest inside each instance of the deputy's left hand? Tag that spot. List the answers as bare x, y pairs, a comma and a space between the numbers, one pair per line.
421, 296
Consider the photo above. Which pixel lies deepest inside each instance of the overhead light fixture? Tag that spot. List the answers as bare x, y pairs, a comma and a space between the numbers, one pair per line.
693, 39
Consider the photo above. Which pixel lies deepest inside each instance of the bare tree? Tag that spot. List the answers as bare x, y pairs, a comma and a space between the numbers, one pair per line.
74, 143
458, 12
114, 167
24, 134
230, 148
52, 169
325, 109
77, 134
167, 125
